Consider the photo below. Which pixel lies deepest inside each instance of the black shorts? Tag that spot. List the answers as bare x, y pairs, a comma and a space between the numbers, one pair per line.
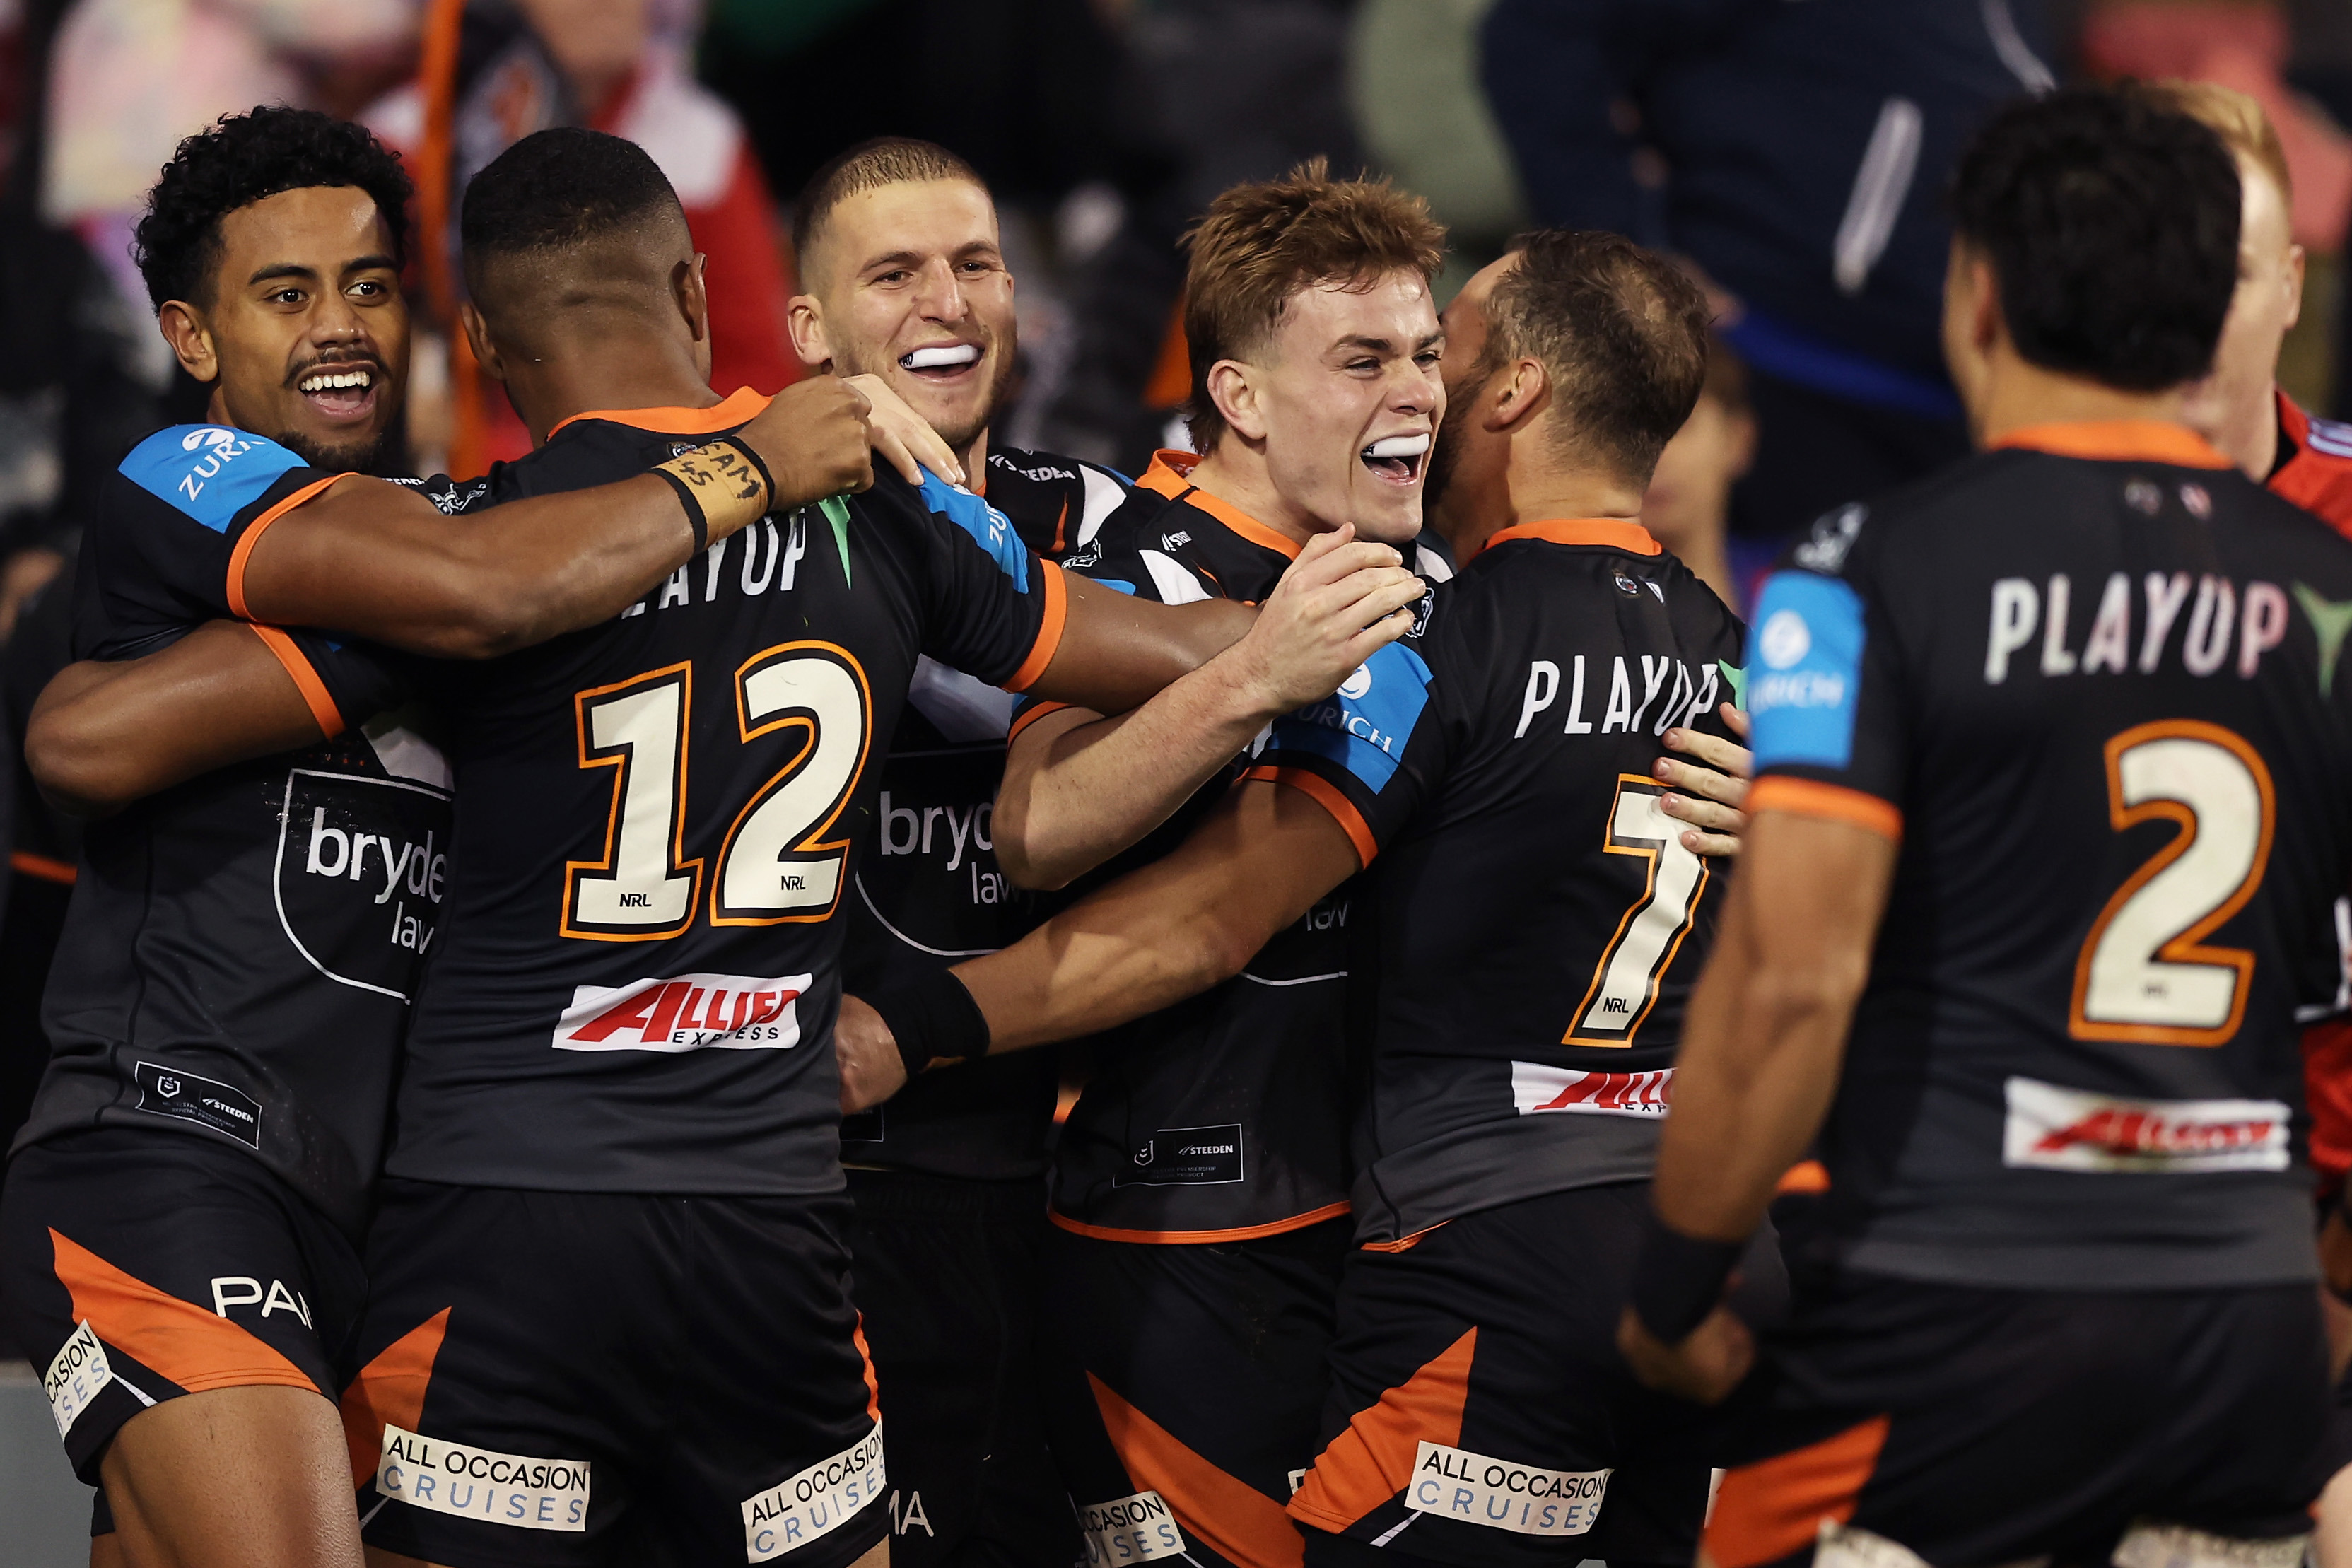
1982, 1425
142, 1265
945, 1276
1480, 1412
576, 1378
1184, 1384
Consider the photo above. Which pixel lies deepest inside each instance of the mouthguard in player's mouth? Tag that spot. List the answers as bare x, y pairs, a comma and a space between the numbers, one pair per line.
344, 389
949, 358
1398, 458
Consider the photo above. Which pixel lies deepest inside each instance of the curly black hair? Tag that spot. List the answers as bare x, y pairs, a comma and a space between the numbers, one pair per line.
239, 160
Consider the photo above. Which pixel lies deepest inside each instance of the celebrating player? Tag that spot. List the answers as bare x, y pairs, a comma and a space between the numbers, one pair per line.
898, 247
2051, 828
227, 1003
1595, 359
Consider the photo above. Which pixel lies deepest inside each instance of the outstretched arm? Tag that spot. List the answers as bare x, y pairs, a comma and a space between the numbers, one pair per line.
1078, 787
103, 735
1169, 931
1762, 1044
379, 561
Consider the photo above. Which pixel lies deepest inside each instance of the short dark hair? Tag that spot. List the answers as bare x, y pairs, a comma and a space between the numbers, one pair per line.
2110, 220
241, 159
1621, 330
559, 188
869, 166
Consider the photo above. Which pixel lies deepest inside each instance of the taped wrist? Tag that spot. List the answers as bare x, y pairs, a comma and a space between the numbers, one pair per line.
933, 1017
723, 487
1678, 1280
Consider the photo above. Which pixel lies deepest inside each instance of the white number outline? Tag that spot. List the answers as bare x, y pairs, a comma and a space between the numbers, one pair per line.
2184, 946
621, 759
808, 839
1632, 926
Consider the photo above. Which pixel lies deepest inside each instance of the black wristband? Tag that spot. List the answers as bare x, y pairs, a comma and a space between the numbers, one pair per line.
933, 1017
753, 458
694, 517
1678, 1280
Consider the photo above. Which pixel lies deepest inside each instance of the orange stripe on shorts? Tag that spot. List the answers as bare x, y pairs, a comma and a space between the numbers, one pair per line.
1231, 1518
390, 1391
1766, 1510
196, 1348
1371, 1461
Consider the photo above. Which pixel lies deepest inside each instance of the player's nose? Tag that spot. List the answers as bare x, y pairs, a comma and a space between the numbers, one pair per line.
941, 297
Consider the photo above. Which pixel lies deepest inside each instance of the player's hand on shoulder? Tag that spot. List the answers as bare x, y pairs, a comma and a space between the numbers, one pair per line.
903, 437
1341, 600
1712, 787
872, 1071
814, 436
1705, 1368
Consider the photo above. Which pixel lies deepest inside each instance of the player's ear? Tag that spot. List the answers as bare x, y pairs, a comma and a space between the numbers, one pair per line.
1519, 394
804, 319
693, 299
487, 353
1235, 394
2293, 283
182, 326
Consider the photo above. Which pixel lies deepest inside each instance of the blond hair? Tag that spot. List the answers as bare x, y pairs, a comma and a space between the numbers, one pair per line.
2233, 116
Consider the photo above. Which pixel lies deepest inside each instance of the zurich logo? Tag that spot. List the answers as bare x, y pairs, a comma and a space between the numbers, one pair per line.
1359, 683
207, 435
1785, 639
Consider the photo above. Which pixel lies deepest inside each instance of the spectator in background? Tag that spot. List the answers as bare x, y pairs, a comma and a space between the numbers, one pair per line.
1796, 155
621, 66
1688, 508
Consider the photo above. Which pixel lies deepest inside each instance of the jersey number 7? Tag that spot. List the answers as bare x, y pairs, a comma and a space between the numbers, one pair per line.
1625, 982
776, 863
2142, 976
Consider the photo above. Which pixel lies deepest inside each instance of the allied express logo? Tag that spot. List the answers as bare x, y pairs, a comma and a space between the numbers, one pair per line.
686, 1012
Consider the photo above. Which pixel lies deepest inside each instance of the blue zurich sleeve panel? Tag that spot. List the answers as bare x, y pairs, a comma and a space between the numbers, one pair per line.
209, 472
1364, 725
1804, 671
989, 528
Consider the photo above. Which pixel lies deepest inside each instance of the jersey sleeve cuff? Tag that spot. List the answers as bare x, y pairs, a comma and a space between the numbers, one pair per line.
1029, 715
252, 534
307, 679
1834, 803
1049, 634
1331, 798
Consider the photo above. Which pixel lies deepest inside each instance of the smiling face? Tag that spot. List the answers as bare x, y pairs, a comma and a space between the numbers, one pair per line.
907, 282
305, 338
1344, 400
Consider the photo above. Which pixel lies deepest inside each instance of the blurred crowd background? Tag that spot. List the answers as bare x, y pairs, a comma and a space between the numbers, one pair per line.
1795, 155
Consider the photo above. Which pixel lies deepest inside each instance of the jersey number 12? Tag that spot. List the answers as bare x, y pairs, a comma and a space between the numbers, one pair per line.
777, 862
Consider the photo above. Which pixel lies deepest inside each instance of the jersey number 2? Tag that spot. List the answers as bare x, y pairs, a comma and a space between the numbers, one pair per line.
2142, 976
776, 863
1625, 982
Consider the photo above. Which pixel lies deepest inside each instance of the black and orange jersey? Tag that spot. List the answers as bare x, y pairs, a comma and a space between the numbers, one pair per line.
661, 819
929, 892
241, 950
2091, 681
1224, 1116
1536, 920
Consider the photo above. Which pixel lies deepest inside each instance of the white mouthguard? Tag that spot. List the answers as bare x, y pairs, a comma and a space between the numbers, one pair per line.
940, 358
1398, 446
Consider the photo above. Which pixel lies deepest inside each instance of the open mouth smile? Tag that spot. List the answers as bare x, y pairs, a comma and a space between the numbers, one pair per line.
341, 392
1398, 460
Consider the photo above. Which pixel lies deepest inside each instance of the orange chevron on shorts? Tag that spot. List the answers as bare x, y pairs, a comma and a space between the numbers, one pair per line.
1233, 1519
1768, 1510
390, 1391
194, 1348
1371, 1461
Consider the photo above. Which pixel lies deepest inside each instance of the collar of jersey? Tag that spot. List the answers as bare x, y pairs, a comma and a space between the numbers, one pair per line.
1169, 475
1612, 532
2116, 441
739, 408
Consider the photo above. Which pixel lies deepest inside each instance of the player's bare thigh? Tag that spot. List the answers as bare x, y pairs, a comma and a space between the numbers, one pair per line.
231, 1477
877, 1558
